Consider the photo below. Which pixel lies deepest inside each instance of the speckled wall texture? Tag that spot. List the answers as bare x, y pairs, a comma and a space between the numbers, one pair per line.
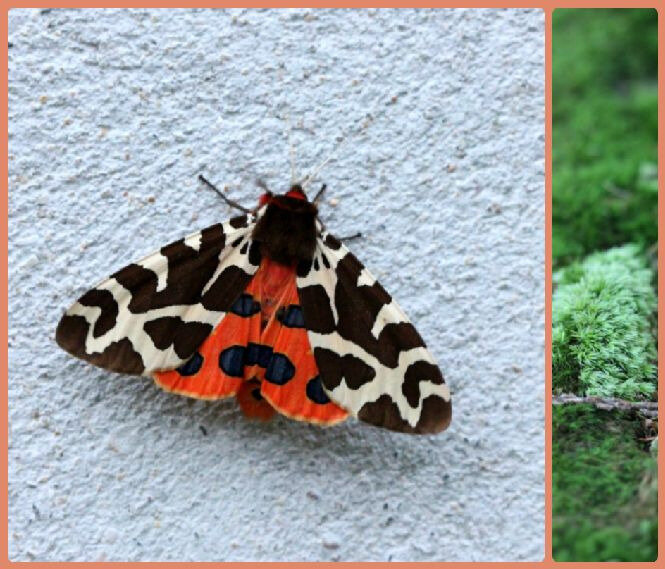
113, 114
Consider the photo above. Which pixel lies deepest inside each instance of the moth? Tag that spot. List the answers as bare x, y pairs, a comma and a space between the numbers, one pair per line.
272, 309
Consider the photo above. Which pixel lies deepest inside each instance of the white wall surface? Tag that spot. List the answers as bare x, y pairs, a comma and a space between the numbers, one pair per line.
113, 114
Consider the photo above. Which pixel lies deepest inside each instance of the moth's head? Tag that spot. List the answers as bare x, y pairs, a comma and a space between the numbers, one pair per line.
295, 192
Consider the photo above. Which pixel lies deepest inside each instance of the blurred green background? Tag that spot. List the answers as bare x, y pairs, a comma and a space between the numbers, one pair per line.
605, 128
604, 221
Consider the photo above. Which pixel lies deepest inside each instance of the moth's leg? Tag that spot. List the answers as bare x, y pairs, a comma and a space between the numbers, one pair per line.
318, 195
229, 201
350, 237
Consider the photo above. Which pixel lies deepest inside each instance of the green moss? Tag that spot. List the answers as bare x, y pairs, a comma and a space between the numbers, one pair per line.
603, 487
605, 123
602, 343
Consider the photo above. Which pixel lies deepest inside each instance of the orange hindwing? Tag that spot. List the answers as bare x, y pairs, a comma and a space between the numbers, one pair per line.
260, 352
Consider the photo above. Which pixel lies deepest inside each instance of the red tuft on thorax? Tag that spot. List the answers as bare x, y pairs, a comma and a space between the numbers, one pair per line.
296, 191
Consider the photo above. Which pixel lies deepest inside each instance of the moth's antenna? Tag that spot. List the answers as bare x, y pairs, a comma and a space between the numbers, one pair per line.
229, 201
292, 151
368, 119
313, 175
350, 132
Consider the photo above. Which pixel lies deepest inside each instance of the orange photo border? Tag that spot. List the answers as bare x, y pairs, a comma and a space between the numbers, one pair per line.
547, 6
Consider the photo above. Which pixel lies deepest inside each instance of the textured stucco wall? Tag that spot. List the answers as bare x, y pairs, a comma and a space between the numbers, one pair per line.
114, 113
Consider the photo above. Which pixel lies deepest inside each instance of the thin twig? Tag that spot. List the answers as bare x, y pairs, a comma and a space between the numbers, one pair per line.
646, 408
221, 194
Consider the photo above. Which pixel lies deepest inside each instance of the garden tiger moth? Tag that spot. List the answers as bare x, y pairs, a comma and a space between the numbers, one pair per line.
273, 309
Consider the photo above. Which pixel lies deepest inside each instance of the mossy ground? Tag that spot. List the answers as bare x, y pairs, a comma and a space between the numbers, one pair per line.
604, 196
604, 504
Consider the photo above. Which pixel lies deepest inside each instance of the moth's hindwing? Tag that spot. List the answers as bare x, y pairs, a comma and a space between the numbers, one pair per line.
291, 380
372, 360
154, 314
260, 353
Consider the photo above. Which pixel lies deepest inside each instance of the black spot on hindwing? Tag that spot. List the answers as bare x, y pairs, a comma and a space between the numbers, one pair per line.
192, 365
291, 316
232, 361
245, 306
258, 354
280, 369
314, 391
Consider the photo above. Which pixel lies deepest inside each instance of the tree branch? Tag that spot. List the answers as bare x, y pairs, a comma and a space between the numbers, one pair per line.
646, 408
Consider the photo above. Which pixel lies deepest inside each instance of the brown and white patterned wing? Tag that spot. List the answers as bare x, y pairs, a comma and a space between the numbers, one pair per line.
153, 314
371, 359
